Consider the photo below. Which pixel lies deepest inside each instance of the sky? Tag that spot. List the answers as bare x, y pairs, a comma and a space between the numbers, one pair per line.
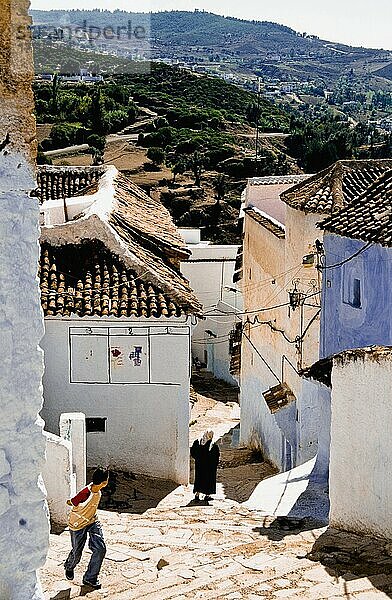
355, 22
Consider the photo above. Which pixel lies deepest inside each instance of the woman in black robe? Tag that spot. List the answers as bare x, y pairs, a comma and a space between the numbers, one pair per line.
206, 455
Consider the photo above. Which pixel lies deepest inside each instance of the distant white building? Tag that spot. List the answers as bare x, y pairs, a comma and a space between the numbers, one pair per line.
210, 270
118, 320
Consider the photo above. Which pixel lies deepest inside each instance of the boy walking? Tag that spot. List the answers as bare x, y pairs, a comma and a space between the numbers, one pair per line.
83, 522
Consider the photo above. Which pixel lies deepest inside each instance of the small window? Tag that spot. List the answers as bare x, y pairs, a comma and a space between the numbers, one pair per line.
352, 292
96, 424
356, 293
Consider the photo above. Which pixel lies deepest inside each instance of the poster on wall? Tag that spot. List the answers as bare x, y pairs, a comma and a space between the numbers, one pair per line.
129, 359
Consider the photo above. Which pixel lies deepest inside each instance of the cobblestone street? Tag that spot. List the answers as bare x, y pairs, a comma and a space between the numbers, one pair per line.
163, 546
179, 551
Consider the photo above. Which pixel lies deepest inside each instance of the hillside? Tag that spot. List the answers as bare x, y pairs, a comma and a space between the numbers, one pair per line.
164, 88
261, 47
189, 138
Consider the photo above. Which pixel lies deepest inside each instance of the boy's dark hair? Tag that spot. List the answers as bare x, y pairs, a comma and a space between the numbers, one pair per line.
100, 475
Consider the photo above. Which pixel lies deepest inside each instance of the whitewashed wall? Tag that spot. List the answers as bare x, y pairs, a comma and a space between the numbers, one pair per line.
361, 443
294, 434
73, 429
147, 427
289, 437
24, 524
58, 476
210, 272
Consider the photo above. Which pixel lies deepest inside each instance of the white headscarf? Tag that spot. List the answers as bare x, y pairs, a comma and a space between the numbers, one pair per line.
207, 436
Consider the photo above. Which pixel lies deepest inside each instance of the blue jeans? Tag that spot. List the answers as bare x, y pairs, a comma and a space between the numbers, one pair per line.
97, 546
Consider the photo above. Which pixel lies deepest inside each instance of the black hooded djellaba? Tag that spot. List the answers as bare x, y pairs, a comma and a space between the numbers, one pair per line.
206, 465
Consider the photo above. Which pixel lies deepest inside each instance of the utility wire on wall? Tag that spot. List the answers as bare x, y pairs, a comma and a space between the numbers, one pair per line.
346, 260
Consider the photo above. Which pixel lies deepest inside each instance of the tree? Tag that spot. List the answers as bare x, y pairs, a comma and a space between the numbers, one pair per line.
156, 155
55, 93
178, 167
97, 114
196, 163
97, 146
220, 186
97, 156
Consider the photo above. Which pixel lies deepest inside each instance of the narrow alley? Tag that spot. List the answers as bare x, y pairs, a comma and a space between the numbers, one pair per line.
161, 546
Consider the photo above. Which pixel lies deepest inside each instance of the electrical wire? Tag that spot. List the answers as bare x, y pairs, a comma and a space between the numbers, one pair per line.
343, 262
260, 284
213, 343
263, 282
257, 323
262, 309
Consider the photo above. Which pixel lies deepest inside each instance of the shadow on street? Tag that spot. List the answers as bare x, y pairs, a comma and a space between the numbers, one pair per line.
352, 556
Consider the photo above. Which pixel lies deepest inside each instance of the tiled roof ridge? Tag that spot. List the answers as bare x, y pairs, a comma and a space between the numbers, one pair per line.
276, 179
266, 221
367, 217
336, 176
332, 188
162, 234
314, 177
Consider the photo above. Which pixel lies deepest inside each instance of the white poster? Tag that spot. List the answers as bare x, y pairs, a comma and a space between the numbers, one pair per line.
89, 359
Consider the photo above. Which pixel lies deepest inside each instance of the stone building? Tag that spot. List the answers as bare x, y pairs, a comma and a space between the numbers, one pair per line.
118, 320
24, 526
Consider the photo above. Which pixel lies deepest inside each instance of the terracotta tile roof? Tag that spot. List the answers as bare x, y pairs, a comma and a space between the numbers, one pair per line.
136, 230
66, 182
166, 276
266, 222
336, 186
88, 280
367, 218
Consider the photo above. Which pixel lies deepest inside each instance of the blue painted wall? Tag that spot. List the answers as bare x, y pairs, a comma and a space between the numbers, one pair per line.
343, 324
